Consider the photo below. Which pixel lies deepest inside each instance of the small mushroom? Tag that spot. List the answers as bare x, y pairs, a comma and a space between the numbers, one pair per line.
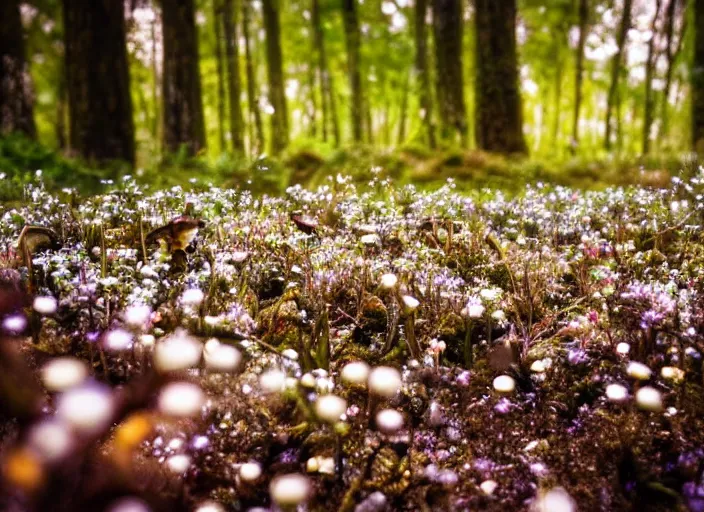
31, 240
37, 238
306, 224
178, 234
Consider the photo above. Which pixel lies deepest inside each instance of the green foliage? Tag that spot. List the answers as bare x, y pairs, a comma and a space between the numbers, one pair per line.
21, 159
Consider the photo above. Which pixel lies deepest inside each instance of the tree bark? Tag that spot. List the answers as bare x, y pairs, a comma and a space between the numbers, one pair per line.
100, 106
352, 40
447, 28
697, 74
217, 21
403, 111
672, 52
312, 107
16, 101
579, 68
499, 116
277, 96
327, 97
423, 73
616, 64
156, 126
181, 96
62, 135
258, 142
649, 72
234, 82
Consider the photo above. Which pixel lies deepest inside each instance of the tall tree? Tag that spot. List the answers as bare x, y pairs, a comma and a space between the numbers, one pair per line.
697, 74
182, 102
499, 116
234, 82
672, 52
275, 72
352, 39
649, 72
257, 143
327, 88
616, 68
425, 97
97, 79
16, 109
217, 22
583, 15
447, 28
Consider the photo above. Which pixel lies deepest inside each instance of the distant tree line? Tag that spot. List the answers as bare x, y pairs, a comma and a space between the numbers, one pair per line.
449, 70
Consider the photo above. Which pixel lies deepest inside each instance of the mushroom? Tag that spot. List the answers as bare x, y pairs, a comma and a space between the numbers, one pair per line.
31, 240
178, 234
37, 238
306, 224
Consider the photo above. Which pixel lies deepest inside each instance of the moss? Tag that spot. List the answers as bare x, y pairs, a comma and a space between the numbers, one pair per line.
374, 315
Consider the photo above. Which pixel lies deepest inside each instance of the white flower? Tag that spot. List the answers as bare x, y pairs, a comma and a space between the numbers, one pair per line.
178, 464
137, 316
192, 297
250, 471
490, 294
181, 399
50, 439
616, 393
504, 384
389, 281
638, 371
411, 303
272, 381
45, 305
330, 408
118, 340
290, 490
178, 352
389, 421
63, 373
649, 399
87, 408
384, 381
356, 372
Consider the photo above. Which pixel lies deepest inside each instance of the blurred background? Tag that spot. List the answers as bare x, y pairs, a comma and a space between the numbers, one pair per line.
274, 92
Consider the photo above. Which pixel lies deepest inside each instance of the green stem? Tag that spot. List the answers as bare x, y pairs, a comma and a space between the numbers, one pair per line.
468, 347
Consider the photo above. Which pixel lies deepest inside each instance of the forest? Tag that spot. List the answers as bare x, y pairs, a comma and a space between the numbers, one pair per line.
352, 255
301, 82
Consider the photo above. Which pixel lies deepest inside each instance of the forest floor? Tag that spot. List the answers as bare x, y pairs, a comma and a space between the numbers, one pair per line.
588, 305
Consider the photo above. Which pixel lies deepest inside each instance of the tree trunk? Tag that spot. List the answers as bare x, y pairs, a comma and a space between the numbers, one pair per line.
557, 98
352, 40
649, 72
447, 28
403, 113
327, 98
616, 65
217, 21
16, 110
277, 96
97, 78
422, 72
312, 107
258, 143
697, 74
671, 54
61, 111
181, 96
579, 68
499, 116
156, 126
234, 82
